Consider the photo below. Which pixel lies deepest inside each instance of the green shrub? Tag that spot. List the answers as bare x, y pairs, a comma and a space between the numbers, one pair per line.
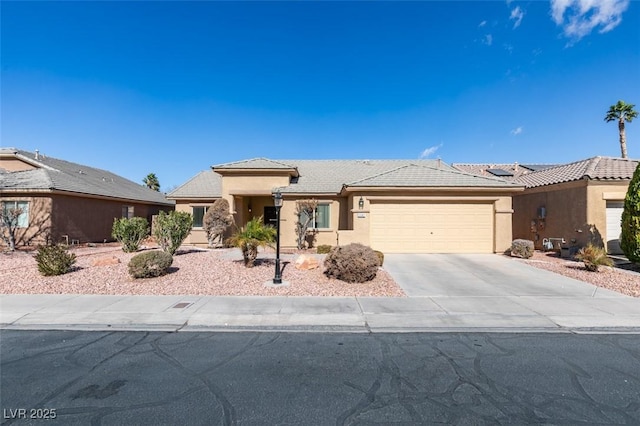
248, 238
352, 263
323, 249
130, 232
172, 229
593, 257
630, 235
150, 264
380, 256
54, 260
522, 248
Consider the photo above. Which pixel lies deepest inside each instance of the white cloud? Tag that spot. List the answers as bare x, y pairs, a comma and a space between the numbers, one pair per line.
579, 17
516, 131
482, 24
488, 40
431, 150
516, 15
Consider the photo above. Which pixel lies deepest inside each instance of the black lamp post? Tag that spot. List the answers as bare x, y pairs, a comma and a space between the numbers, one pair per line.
277, 201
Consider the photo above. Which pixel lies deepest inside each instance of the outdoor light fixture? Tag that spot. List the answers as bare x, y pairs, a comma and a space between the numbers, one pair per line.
277, 202
361, 203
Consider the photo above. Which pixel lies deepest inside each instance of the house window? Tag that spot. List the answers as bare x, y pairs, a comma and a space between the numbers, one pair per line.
8, 209
198, 216
320, 218
127, 212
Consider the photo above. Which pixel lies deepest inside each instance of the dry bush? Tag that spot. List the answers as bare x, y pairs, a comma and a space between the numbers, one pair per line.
353, 263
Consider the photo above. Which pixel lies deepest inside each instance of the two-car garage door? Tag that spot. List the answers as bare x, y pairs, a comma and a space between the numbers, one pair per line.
432, 227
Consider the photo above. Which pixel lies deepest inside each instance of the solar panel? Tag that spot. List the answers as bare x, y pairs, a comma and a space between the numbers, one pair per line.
499, 172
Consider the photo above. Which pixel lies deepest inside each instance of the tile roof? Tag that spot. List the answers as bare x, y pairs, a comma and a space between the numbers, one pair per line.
206, 184
596, 168
515, 169
329, 176
55, 174
413, 175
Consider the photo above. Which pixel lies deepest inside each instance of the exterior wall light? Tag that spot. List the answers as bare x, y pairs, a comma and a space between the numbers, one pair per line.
361, 203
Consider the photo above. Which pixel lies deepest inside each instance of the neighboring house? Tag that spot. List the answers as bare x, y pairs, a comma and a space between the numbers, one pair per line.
580, 202
508, 172
410, 206
68, 201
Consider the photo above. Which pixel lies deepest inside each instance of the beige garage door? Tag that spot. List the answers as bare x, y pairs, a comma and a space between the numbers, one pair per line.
432, 227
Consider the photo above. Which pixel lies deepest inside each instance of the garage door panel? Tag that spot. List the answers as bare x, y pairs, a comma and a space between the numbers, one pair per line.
614, 228
432, 227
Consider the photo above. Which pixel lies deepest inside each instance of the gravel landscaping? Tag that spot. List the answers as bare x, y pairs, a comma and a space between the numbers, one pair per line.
219, 272
616, 279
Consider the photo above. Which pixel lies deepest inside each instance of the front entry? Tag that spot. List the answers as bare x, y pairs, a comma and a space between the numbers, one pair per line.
269, 216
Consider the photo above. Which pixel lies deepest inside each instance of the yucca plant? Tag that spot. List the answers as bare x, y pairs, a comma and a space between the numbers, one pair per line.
251, 236
593, 257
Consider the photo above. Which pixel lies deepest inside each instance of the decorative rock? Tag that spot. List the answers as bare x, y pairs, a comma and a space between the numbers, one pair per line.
105, 261
306, 262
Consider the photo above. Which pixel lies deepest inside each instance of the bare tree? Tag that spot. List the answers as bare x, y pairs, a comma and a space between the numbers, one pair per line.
216, 221
9, 224
305, 210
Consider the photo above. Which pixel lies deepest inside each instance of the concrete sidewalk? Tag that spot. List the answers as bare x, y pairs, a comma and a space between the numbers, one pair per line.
603, 311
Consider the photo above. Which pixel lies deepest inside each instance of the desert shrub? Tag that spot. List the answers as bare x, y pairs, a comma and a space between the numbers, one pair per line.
522, 248
353, 263
305, 210
323, 249
630, 235
593, 257
172, 229
54, 260
380, 256
150, 264
248, 238
130, 232
216, 221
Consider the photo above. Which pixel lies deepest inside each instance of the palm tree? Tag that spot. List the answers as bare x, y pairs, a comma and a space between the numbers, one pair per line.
255, 234
621, 112
151, 181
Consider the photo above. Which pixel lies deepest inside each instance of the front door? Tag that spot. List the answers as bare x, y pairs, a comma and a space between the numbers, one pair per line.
269, 215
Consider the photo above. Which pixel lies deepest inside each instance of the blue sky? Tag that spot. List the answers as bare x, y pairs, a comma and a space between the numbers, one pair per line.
175, 87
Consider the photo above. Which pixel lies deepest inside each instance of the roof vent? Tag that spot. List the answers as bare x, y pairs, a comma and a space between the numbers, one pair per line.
80, 172
37, 154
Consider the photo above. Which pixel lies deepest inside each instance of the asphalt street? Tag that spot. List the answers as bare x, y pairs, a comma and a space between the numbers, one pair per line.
191, 378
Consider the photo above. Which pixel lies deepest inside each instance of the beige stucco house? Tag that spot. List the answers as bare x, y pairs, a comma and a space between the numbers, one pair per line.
579, 202
65, 201
395, 206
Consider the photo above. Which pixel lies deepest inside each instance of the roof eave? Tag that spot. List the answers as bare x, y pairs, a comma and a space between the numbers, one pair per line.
196, 198
507, 188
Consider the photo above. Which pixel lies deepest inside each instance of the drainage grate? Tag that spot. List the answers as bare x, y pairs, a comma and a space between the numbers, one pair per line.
182, 305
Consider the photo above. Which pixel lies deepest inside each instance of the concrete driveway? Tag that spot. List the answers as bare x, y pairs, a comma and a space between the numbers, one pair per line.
492, 290
481, 275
